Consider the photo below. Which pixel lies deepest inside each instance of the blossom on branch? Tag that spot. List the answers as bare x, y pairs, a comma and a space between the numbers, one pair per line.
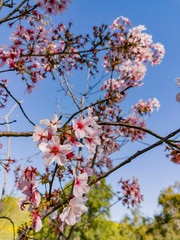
80, 184
82, 126
72, 213
131, 192
28, 186
54, 122
55, 151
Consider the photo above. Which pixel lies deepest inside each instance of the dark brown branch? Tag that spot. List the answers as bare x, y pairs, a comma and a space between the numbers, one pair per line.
62, 53
1, 4
28, 230
70, 233
18, 16
2, 85
11, 13
51, 182
7, 70
121, 124
138, 153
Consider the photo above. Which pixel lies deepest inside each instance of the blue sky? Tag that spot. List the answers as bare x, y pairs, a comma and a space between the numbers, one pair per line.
162, 20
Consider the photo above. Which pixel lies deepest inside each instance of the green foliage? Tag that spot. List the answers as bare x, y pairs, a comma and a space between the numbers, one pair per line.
11, 209
166, 225
99, 199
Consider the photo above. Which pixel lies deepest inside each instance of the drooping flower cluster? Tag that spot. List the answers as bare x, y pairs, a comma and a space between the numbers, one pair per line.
131, 192
174, 154
28, 186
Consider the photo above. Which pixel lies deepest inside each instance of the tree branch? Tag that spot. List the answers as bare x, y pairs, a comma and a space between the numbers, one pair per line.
71, 93
140, 128
138, 153
16, 134
2, 85
14, 11
93, 104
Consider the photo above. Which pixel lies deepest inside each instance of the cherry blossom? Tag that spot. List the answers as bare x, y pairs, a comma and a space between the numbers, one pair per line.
28, 186
72, 213
131, 192
37, 223
91, 142
54, 151
39, 134
40, 48
82, 126
80, 184
54, 122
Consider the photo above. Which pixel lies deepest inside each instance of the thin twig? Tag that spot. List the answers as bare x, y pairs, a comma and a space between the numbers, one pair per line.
14, 11
7, 70
71, 93
18, 16
7, 158
93, 104
2, 85
8, 122
51, 182
97, 214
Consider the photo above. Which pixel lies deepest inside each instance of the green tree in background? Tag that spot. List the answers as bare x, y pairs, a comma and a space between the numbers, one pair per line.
95, 226
166, 225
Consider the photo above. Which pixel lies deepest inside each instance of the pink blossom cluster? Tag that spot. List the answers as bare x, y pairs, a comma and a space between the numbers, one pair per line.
49, 143
131, 192
39, 40
174, 154
144, 107
53, 7
133, 133
87, 128
72, 213
41, 48
28, 186
130, 52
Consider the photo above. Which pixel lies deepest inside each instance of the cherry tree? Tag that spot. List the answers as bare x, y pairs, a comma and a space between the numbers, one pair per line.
78, 148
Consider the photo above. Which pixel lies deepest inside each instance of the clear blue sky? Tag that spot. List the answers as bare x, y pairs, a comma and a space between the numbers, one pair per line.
162, 20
